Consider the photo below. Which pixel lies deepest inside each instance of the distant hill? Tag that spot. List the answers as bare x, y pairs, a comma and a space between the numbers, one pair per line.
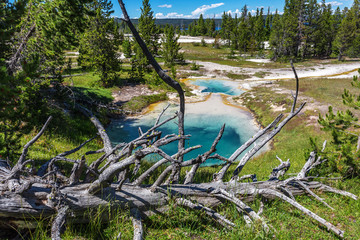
180, 22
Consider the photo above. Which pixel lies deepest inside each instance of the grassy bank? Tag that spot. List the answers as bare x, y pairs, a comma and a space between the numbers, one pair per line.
180, 223
223, 56
292, 142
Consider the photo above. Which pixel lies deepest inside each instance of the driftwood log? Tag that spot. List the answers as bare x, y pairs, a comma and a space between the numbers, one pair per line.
26, 196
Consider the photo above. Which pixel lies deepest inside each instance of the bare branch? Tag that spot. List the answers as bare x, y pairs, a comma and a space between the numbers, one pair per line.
58, 223
322, 221
280, 170
16, 170
11, 67
297, 87
167, 79
156, 165
236, 154
245, 208
271, 135
191, 174
313, 194
216, 216
137, 224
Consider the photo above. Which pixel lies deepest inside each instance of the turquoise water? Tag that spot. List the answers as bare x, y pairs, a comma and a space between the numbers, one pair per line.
202, 120
218, 86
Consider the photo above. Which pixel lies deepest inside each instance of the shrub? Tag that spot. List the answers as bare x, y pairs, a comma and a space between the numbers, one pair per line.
343, 153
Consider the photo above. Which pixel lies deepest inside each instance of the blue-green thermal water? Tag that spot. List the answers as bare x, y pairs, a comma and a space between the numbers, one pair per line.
202, 120
218, 86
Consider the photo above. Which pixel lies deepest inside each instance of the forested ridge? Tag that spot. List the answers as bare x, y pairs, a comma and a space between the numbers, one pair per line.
63, 61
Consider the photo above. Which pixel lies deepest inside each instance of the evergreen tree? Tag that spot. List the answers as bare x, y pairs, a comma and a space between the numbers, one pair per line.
293, 29
325, 33
10, 15
58, 25
343, 154
268, 23
259, 30
150, 34
276, 37
201, 28
147, 28
251, 33
226, 27
337, 17
171, 47
126, 47
347, 40
97, 49
210, 27
243, 31
310, 30
45, 28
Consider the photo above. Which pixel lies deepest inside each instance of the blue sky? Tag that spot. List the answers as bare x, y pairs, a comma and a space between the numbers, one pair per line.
193, 8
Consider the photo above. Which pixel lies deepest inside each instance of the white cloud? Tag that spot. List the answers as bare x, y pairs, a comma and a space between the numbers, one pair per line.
171, 15
202, 9
237, 12
165, 6
194, 14
334, 3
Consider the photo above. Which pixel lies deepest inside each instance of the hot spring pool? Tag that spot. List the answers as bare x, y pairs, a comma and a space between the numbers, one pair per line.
203, 121
218, 86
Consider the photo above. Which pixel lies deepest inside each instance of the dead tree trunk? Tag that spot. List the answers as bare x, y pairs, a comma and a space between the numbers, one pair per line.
26, 197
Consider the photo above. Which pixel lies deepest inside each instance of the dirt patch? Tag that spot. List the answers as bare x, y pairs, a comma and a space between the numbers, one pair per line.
127, 92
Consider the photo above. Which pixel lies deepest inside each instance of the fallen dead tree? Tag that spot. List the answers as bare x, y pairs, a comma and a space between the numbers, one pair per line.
27, 196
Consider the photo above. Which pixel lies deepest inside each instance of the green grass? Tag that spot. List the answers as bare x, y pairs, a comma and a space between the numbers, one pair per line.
261, 74
179, 223
289, 223
136, 104
238, 76
64, 134
323, 90
220, 56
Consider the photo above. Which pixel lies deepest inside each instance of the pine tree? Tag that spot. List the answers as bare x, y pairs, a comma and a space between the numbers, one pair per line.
243, 31
292, 27
276, 37
343, 154
58, 25
23, 104
210, 27
201, 29
347, 40
310, 30
226, 27
325, 34
268, 23
126, 48
150, 34
97, 49
147, 28
171, 47
259, 30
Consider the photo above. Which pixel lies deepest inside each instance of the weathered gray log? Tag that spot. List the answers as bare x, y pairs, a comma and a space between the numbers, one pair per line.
58, 223
16, 209
137, 224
